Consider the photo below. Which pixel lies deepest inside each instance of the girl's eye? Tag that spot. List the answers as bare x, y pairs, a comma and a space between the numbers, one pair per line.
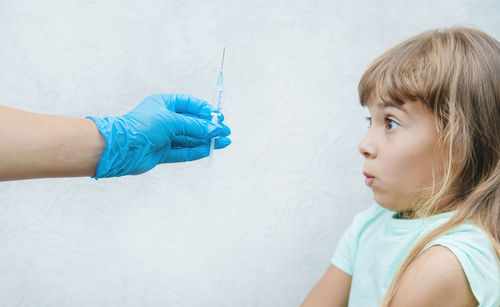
388, 121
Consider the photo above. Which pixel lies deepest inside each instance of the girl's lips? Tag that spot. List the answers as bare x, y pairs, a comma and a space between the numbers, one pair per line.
367, 174
369, 178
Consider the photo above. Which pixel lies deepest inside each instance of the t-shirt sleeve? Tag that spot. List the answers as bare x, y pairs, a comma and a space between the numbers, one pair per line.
479, 261
343, 255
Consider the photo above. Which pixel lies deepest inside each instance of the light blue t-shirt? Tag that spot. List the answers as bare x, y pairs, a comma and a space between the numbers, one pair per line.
376, 242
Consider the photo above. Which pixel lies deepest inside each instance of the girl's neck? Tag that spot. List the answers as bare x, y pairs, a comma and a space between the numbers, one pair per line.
406, 215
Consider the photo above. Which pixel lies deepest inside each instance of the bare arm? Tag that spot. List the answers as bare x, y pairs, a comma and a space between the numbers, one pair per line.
436, 278
38, 145
331, 290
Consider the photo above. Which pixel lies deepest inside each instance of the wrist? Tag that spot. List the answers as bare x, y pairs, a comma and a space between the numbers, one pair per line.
96, 143
80, 147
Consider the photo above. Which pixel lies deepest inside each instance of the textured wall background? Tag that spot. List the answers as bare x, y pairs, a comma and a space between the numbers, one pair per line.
259, 228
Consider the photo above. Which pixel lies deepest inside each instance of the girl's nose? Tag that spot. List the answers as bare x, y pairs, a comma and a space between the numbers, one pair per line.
366, 147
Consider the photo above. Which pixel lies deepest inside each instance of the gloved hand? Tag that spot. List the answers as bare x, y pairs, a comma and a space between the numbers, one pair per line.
161, 129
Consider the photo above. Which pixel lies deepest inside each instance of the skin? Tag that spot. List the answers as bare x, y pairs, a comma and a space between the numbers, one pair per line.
399, 150
39, 145
436, 278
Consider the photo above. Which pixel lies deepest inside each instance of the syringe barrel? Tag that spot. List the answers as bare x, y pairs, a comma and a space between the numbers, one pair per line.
217, 100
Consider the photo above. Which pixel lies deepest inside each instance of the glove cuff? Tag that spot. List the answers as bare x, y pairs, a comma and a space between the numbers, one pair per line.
117, 159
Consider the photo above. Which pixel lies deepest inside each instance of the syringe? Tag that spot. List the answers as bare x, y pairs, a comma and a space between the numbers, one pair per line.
217, 103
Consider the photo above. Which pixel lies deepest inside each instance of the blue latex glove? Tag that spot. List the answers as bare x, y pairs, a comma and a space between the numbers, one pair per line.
161, 129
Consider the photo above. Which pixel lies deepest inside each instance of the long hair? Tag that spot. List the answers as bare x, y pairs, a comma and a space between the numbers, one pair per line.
455, 73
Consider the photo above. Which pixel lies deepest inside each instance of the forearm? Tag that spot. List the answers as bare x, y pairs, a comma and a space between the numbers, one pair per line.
38, 145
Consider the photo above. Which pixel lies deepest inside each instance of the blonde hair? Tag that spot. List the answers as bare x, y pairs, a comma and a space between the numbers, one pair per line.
455, 73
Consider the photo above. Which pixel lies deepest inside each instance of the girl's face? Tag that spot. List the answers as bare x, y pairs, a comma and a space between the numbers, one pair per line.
399, 153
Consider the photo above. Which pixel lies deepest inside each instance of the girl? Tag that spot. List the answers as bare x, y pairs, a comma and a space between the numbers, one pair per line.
432, 160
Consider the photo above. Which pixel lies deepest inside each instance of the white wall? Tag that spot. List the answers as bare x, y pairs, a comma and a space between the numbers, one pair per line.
259, 228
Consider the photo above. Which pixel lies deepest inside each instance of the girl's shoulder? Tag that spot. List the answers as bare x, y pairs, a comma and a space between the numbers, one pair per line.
467, 238
478, 258
467, 235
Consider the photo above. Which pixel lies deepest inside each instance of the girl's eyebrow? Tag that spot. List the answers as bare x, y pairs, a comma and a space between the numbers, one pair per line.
388, 105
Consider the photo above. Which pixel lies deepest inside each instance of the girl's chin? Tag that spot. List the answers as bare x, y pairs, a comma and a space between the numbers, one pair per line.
388, 203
